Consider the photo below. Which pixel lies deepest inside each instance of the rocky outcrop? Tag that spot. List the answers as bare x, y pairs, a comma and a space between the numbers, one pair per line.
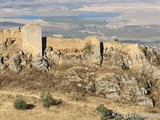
42, 63
132, 55
122, 88
140, 59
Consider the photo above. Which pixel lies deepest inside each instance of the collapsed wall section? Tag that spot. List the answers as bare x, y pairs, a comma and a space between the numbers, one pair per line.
12, 34
75, 46
32, 39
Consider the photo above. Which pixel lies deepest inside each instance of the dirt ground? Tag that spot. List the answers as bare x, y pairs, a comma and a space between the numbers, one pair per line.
69, 110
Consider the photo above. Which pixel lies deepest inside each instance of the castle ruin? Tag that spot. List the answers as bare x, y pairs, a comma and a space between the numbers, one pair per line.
66, 50
47, 51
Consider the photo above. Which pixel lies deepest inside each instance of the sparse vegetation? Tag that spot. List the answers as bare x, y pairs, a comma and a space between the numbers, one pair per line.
116, 40
48, 100
152, 110
88, 49
105, 113
20, 104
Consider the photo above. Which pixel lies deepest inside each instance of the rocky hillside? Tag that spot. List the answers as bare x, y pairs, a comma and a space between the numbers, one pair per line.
128, 72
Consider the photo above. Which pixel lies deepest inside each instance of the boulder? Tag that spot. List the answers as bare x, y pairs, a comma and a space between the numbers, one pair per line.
41, 63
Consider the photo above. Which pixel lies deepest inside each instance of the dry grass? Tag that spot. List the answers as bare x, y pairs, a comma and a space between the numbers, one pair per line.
69, 110
28, 85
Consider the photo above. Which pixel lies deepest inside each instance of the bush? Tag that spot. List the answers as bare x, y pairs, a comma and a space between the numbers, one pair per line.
47, 100
88, 49
105, 113
20, 104
116, 40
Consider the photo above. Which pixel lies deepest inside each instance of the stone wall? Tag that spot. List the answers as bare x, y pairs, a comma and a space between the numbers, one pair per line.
70, 43
29, 40
13, 33
32, 39
75, 46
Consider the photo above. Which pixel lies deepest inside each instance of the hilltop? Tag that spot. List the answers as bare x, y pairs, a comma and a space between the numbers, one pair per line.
84, 73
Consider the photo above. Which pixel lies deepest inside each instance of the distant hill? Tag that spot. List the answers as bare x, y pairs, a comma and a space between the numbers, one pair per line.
10, 24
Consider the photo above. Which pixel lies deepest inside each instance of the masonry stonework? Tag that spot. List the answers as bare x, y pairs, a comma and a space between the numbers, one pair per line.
32, 39
66, 50
12, 33
76, 46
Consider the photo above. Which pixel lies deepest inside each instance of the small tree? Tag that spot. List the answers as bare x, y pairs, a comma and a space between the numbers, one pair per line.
20, 104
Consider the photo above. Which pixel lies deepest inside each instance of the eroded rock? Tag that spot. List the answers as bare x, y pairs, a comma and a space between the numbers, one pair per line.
123, 88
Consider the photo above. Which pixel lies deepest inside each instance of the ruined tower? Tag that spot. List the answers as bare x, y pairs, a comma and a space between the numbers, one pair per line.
32, 39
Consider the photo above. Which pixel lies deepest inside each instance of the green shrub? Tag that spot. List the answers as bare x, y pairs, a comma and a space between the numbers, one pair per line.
88, 49
116, 40
105, 113
20, 104
47, 100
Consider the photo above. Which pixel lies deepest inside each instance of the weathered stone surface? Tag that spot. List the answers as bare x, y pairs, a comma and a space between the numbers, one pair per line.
123, 88
3, 46
13, 34
144, 101
32, 39
108, 86
72, 50
132, 55
15, 64
41, 63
